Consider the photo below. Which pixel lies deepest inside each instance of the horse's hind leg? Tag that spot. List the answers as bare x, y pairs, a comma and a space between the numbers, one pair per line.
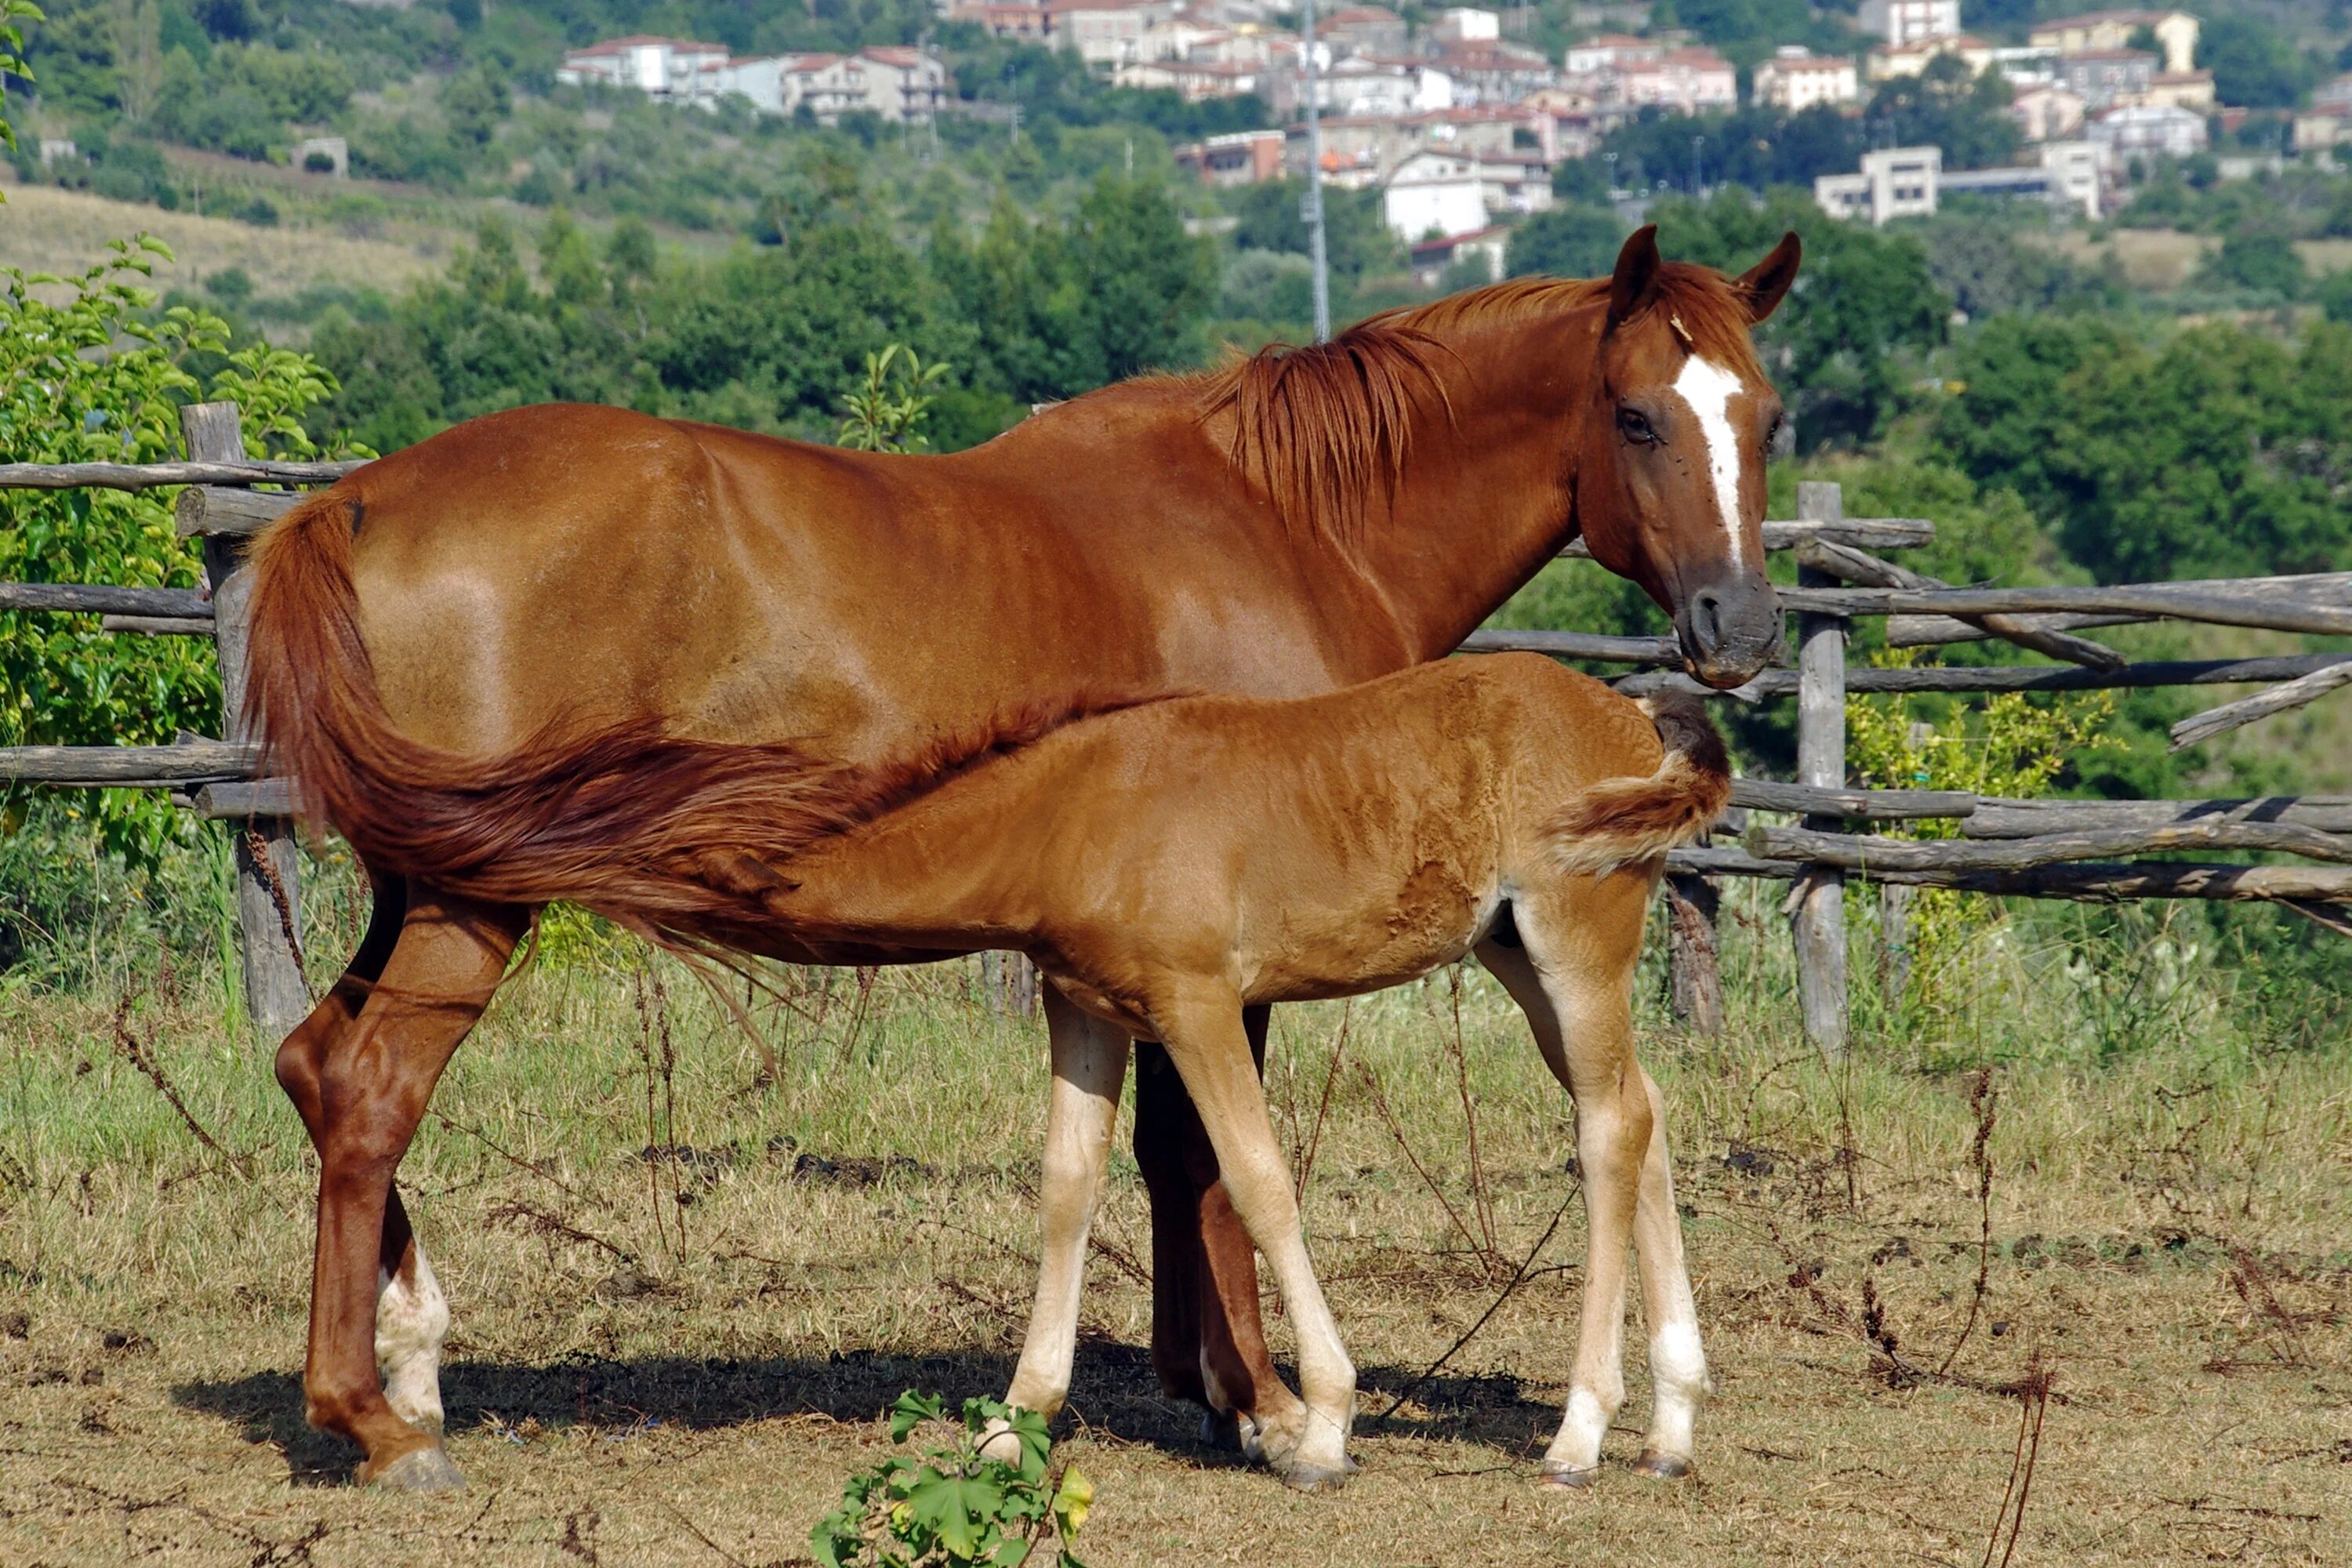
362, 1088
412, 1314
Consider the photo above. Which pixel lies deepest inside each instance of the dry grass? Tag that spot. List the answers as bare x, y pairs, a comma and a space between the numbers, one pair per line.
2162, 260
636, 1379
45, 229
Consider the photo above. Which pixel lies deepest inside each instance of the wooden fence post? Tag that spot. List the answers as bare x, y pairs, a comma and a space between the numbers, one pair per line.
268, 893
1693, 977
1818, 902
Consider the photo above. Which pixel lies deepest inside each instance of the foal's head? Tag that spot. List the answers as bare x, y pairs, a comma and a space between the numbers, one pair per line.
1669, 465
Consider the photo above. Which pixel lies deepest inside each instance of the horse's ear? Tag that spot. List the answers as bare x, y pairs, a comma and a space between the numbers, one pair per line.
1763, 285
1636, 277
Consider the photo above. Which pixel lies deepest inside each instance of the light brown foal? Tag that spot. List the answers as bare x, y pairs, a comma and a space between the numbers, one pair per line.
1169, 865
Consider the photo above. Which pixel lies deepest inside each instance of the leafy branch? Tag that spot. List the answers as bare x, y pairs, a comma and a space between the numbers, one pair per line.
954, 1506
886, 414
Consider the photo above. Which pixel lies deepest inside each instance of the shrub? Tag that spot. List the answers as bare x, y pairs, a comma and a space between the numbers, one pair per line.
953, 1506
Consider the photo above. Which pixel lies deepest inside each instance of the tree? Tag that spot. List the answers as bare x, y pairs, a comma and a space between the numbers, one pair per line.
1146, 283
1566, 241
134, 31
474, 102
2254, 66
1946, 105
2260, 259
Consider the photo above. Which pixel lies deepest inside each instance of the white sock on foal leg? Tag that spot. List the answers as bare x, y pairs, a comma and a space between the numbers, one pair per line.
411, 1321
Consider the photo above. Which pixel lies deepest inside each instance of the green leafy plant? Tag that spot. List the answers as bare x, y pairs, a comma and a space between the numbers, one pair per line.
2008, 745
99, 376
952, 1505
887, 413
12, 59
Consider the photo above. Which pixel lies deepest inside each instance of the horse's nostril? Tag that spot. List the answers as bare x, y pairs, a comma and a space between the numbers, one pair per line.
1707, 619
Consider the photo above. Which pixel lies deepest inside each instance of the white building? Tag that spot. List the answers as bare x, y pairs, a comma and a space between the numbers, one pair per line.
1682, 82
667, 69
1105, 32
1608, 51
1363, 86
2175, 34
2046, 113
2166, 131
1440, 192
2064, 174
1517, 182
1898, 182
1909, 21
1468, 25
1795, 80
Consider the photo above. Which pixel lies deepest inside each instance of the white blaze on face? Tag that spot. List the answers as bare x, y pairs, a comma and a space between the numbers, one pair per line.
1708, 389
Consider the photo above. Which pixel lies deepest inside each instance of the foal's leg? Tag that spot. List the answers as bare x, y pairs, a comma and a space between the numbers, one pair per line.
1573, 980
1206, 1040
364, 1090
411, 1315
1089, 1068
1678, 1380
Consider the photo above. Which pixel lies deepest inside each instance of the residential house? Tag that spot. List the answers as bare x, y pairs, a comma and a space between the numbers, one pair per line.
1467, 25
1909, 21
1890, 60
1434, 193
2175, 34
827, 86
2046, 113
1237, 158
1897, 181
2167, 132
1370, 86
1608, 51
1493, 71
1195, 82
1795, 80
1363, 30
902, 85
2180, 89
1105, 32
666, 69
1515, 182
2106, 77
1027, 21
1434, 258
1682, 81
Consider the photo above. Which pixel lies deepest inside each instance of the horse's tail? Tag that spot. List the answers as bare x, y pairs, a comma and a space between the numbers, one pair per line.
621, 817
1623, 821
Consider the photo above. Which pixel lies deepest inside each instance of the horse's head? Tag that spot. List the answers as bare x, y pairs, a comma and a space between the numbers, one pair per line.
1670, 465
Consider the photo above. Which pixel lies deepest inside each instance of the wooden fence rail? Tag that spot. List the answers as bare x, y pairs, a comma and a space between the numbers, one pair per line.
2039, 848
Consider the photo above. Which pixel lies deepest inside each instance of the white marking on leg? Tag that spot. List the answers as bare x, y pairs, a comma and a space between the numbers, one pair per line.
1677, 1387
411, 1322
1577, 1445
1708, 389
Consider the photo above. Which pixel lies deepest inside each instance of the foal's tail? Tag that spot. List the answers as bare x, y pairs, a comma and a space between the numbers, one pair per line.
618, 816
1623, 821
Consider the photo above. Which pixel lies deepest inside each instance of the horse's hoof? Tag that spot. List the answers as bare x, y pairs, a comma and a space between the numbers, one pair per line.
1002, 1445
1570, 1477
1661, 1467
420, 1470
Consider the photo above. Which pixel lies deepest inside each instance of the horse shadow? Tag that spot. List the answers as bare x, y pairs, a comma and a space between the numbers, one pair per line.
1113, 1395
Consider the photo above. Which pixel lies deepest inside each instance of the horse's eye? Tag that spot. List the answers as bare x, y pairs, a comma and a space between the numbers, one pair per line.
1636, 427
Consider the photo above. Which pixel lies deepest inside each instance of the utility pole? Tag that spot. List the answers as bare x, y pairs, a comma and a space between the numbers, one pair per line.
1311, 205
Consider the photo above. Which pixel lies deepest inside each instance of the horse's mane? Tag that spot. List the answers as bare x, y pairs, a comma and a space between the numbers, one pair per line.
1324, 425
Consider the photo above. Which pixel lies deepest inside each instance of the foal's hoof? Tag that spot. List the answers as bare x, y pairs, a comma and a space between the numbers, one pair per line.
419, 1470
1661, 1467
1221, 1430
1307, 1477
1569, 1477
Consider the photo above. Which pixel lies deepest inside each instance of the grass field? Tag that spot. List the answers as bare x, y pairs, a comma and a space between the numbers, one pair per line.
678, 1359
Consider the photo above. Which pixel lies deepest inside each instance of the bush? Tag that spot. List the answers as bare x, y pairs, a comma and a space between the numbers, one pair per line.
953, 1506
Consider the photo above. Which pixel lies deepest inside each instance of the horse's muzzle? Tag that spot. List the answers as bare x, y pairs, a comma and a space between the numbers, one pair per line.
1730, 631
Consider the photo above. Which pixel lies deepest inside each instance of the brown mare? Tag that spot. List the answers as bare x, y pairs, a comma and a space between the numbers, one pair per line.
1172, 864
452, 645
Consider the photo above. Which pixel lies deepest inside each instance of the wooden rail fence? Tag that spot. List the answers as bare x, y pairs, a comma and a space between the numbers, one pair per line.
2041, 848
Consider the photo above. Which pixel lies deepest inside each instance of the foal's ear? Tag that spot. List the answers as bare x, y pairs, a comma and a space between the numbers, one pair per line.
1635, 280
1763, 285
